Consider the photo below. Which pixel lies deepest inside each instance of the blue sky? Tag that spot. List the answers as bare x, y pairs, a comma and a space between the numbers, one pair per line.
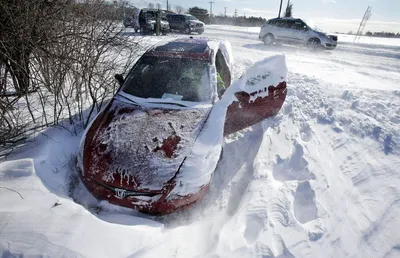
330, 15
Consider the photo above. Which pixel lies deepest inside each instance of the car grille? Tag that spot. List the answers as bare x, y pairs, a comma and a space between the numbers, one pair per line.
122, 193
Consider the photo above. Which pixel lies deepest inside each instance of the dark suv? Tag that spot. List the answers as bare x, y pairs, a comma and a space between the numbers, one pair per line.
185, 23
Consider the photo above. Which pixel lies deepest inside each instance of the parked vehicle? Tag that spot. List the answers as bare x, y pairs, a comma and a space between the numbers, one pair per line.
156, 145
131, 22
148, 21
297, 32
185, 23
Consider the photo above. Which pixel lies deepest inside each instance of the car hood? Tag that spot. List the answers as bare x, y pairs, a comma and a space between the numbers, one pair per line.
137, 148
196, 22
320, 33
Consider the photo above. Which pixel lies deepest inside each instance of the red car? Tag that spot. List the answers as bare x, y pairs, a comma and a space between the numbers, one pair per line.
157, 143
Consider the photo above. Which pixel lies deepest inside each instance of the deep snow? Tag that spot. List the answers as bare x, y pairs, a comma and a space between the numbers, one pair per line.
321, 179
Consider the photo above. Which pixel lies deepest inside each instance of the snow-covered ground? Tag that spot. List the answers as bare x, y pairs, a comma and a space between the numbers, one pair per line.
321, 179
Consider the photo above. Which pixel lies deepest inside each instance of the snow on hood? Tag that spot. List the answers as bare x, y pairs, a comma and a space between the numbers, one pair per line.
144, 147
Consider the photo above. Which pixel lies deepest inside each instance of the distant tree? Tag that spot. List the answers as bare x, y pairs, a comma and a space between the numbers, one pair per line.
289, 8
199, 13
368, 33
158, 6
150, 5
179, 9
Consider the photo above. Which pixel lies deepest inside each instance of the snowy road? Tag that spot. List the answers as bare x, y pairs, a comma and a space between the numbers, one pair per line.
321, 179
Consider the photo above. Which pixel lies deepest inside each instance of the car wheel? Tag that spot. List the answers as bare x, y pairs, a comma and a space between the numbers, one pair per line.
314, 44
200, 32
186, 31
268, 39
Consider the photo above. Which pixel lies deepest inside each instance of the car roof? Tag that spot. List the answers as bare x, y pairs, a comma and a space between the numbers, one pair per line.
285, 18
193, 48
180, 14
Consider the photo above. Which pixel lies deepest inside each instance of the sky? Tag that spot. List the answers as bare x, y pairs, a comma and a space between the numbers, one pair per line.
329, 15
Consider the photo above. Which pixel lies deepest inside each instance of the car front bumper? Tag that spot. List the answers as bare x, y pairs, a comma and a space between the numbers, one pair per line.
154, 203
196, 29
330, 46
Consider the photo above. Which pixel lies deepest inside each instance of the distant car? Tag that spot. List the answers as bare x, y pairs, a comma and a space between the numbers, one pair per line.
131, 22
156, 145
185, 23
148, 19
296, 31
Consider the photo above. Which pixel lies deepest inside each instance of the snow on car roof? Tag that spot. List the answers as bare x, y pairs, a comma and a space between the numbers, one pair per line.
182, 47
185, 47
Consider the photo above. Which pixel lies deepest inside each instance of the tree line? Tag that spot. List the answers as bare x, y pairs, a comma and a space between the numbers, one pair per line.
383, 34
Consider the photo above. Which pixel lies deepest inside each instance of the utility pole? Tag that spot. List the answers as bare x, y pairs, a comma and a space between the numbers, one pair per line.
235, 13
280, 9
225, 11
167, 6
211, 3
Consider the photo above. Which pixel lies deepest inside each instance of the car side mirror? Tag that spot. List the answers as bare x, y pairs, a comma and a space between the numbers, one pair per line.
119, 78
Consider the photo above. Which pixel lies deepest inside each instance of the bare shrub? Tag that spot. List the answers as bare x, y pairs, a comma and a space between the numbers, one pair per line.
57, 61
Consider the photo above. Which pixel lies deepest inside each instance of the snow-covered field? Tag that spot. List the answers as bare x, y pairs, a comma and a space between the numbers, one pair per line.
322, 179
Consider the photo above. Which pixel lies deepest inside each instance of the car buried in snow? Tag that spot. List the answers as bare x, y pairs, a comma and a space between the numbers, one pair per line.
156, 144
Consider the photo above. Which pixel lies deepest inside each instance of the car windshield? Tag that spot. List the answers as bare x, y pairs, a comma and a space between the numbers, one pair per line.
169, 78
312, 25
190, 18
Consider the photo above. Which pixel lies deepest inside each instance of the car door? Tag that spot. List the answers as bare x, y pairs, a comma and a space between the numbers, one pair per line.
182, 22
176, 21
257, 95
300, 31
278, 28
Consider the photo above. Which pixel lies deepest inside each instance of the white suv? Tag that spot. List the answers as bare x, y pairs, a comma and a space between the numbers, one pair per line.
295, 31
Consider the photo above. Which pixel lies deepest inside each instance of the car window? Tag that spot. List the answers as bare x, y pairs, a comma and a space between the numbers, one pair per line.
288, 24
153, 77
282, 23
298, 25
190, 18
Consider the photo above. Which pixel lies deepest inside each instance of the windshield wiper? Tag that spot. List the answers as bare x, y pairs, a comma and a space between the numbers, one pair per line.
131, 101
169, 103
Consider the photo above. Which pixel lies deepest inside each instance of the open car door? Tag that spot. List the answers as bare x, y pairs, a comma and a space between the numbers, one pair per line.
257, 95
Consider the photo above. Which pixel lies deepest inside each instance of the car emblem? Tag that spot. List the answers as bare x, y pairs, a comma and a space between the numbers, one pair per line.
120, 193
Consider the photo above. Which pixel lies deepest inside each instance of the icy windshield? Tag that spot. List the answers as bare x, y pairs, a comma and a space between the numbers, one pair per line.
170, 78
